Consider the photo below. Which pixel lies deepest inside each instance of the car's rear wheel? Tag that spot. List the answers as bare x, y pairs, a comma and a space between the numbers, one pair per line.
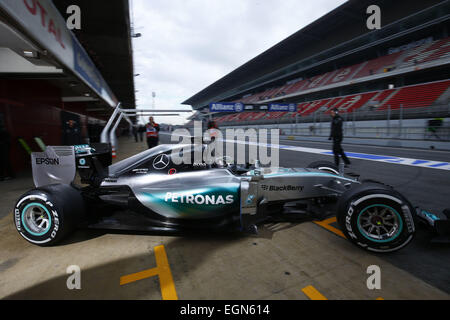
324, 166
46, 215
376, 218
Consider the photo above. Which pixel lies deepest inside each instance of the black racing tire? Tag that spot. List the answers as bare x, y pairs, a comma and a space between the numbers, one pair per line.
368, 208
326, 166
46, 215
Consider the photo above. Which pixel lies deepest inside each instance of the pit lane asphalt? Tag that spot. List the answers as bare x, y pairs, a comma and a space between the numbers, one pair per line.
427, 188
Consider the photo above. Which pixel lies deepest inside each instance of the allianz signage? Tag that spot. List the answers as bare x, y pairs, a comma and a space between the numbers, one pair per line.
226, 107
239, 107
291, 107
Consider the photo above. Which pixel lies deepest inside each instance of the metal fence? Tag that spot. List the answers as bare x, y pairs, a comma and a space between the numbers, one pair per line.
394, 132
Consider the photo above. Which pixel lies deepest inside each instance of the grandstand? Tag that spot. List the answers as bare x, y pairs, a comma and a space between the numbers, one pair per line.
415, 96
431, 52
398, 72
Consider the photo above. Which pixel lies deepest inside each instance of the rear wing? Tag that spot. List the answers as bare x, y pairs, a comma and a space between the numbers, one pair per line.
55, 165
59, 164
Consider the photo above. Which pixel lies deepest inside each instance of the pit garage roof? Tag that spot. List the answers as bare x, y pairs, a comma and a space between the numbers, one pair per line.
318, 36
106, 35
93, 65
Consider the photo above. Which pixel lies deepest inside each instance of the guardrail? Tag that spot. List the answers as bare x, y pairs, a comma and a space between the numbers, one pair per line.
394, 132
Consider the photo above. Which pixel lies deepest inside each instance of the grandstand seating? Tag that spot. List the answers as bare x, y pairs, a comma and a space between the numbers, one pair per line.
275, 115
408, 97
353, 102
280, 91
439, 49
383, 95
428, 52
314, 106
422, 95
416, 96
442, 51
317, 81
300, 107
343, 74
377, 65
258, 115
245, 116
297, 86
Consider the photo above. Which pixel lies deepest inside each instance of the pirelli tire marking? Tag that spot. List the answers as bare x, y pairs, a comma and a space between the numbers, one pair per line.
328, 169
55, 218
407, 217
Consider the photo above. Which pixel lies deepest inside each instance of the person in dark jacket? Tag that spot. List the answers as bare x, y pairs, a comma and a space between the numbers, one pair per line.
72, 134
135, 132
6, 172
141, 130
337, 136
212, 125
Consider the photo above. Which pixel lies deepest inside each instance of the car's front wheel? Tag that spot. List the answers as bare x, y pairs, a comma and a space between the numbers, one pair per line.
376, 218
46, 215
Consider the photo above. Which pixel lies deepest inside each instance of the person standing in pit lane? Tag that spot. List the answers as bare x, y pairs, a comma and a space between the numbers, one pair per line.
152, 129
141, 129
71, 134
212, 130
135, 132
336, 134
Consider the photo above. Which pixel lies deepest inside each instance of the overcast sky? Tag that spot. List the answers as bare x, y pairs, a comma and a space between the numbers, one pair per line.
187, 45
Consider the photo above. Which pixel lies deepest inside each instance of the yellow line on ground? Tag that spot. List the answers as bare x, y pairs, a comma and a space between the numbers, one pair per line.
138, 276
168, 291
162, 270
326, 224
313, 294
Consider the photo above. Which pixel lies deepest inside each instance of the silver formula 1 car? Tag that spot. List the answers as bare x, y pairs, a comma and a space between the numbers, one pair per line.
151, 192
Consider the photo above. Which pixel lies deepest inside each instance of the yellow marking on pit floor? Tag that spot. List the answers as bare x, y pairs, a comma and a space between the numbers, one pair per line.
162, 270
327, 225
313, 294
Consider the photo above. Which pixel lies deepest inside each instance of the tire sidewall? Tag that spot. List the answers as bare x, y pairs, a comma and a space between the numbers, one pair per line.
324, 166
41, 198
351, 209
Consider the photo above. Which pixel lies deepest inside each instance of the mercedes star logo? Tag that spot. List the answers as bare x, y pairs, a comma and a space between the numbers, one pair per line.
161, 162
